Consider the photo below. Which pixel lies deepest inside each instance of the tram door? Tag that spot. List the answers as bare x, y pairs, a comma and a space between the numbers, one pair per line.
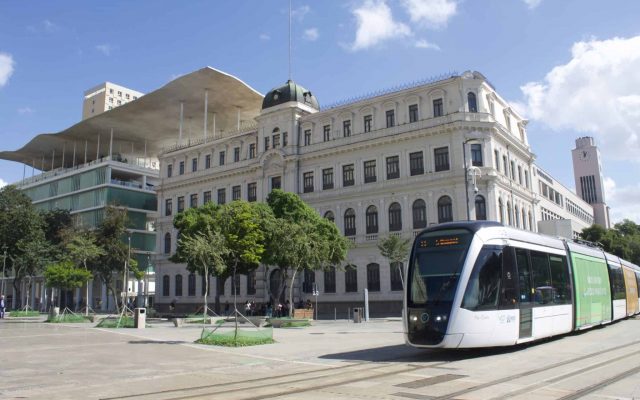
524, 289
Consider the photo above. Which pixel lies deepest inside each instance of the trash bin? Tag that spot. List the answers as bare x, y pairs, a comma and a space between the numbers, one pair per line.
357, 315
139, 318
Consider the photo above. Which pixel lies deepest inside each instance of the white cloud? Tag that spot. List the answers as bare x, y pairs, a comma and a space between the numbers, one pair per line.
376, 24
300, 12
432, 14
3, 183
6, 68
311, 34
106, 49
532, 3
423, 44
25, 110
596, 92
265, 37
622, 200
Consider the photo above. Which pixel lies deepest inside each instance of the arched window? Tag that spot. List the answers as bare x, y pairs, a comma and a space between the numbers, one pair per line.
373, 277
351, 278
330, 280
396, 275
395, 217
481, 208
524, 219
349, 222
445, 209
501, 211
516, 212
329, 215
419, 214
509, 215
191, 285
371, 217
471, 99
178, 289
309, 281
166, 285
167, 243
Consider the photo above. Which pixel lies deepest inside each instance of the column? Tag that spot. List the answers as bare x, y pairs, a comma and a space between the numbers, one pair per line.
90, 301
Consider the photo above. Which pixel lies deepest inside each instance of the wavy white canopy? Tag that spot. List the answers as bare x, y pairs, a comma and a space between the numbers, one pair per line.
153, 119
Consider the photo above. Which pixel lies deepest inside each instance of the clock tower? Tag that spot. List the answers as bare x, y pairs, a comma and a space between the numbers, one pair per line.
587, 171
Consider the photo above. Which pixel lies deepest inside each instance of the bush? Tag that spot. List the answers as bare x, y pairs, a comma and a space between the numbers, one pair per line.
216, 340
24, 314
295, 324
68, 318
239, 338
112, 322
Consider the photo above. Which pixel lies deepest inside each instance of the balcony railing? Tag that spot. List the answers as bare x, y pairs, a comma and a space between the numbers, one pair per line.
54, 173
244, 129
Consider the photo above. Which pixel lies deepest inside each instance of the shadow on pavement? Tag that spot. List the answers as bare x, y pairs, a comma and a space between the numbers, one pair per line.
402, 353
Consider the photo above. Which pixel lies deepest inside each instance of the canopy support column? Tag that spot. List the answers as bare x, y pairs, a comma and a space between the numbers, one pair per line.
180, 127
206, 110
111, 144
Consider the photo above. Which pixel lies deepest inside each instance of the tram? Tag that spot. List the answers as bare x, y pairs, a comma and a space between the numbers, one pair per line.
482, 284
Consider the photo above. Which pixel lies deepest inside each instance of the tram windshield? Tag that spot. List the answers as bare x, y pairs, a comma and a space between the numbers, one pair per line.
437, 262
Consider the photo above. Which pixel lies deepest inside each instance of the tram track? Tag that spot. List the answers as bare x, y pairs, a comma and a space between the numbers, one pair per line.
559, 378
248, 385
519, 375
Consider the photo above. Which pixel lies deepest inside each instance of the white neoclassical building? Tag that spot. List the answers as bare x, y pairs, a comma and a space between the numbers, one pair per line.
391, 163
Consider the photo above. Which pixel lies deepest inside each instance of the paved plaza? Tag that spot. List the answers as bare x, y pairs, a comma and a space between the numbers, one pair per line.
329, 360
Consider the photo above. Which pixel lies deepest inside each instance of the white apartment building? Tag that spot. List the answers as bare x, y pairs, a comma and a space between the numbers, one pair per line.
389, 164
105, 97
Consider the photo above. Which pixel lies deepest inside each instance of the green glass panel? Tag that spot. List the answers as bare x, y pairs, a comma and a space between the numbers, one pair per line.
132, 199
592, 290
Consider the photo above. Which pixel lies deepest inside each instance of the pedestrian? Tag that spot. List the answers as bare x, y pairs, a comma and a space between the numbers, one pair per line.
2, 306
226, 308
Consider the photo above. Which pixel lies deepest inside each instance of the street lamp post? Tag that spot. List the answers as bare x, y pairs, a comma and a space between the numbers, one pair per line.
316, 293
146, 280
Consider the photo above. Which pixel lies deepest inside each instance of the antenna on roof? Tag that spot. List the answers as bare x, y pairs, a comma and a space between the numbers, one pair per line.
289, 39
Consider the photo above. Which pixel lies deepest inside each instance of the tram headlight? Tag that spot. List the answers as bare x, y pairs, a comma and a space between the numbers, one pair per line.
414, 318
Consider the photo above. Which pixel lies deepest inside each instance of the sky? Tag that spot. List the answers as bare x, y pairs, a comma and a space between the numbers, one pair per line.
571, 67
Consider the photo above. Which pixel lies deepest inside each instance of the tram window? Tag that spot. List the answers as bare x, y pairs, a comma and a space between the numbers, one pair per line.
524, 275
544, 292
617, 282
484, 284
561, 280
508, 291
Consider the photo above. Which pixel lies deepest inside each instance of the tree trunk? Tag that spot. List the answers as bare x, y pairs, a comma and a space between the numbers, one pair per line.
293, 277
115, 299
86, 299
206, 293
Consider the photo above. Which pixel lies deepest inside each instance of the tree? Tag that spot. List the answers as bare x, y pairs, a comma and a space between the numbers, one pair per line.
109, 237
204, 253
623, 240
64, 275
57, 223
34, 254
395, 250
20, 223
301, 239
82, 249
239, 223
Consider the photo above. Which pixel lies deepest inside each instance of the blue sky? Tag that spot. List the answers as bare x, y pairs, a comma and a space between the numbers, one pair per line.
572, 67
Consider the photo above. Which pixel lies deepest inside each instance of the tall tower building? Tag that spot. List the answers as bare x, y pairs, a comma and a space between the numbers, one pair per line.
587, 171
105, 97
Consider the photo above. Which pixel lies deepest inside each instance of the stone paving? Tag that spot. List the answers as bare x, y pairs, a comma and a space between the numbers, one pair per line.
329, 360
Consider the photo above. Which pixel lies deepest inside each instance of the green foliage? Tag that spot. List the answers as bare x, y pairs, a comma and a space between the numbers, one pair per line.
64, 275
301, 239
394, 248
82, 248
57, 223
68, 318
116, 322
236, 338
24, 314
623, 239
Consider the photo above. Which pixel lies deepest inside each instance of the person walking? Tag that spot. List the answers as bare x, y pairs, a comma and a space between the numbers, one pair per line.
2, 306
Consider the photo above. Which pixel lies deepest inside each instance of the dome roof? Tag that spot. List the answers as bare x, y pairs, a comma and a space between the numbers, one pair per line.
290, 91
